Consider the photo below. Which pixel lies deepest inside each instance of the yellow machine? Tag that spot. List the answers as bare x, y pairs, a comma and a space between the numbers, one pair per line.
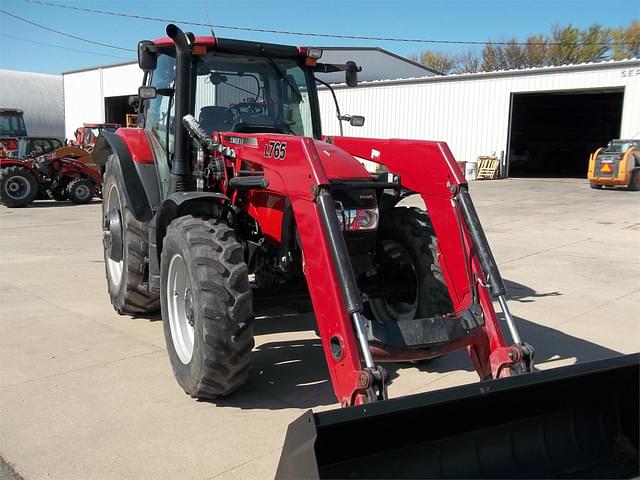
617, 164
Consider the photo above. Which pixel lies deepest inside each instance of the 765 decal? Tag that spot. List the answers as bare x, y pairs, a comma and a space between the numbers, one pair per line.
277, 150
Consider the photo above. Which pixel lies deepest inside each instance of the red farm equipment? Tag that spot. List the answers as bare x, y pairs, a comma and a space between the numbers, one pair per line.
61, 178
229, 175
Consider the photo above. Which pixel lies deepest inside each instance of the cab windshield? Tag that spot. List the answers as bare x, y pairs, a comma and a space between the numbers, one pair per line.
252, 95
12, 124
621, 146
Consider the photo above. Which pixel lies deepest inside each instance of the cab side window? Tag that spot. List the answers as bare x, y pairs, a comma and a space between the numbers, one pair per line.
159, 112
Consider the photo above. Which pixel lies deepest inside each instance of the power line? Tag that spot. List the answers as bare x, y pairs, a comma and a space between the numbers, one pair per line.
306, 34
60, 46
64, 33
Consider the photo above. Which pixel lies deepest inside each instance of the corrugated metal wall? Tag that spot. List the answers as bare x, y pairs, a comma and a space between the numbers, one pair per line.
470, 112
39, 96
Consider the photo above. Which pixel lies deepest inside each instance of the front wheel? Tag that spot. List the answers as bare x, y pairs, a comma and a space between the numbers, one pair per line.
206, 306
595, 186
80, 190
18, 186
126, 245
407, 254
634, 183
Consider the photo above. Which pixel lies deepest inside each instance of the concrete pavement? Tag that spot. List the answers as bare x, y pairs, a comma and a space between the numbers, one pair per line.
85, 393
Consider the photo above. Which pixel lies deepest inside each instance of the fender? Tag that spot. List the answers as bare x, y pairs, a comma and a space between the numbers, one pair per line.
178, 204
10, 162
141, 186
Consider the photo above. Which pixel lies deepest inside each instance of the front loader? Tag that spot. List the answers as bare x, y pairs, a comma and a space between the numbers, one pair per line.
228, 189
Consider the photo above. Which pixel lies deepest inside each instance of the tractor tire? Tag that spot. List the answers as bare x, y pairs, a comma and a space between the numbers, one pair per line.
407, 239
59, 195
634, 182
125, 248
80, 190
206, 306
18, 186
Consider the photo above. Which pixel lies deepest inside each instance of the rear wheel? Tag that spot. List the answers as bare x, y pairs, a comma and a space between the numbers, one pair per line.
125, 247
206, 306
80, 190
408, 248
634, 182
18, 186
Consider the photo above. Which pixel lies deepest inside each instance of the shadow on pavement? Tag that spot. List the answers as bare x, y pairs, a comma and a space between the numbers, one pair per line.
523, 294
59, 204
293, 374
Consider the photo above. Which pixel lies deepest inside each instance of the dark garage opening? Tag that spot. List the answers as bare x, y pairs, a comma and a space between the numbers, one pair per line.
116, 109
553, 133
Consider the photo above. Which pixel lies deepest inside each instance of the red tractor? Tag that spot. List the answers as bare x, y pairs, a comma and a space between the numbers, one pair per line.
22, 181
193, 207
229, 176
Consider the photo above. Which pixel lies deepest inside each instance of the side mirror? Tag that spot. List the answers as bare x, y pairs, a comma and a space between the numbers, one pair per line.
147, 93
351, 74
147, 56
356, 121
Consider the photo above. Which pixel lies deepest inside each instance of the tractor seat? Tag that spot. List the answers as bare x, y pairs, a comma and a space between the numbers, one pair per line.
212, 119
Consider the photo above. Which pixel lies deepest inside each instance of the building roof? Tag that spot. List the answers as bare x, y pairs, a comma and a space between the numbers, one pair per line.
377, 64
629, 62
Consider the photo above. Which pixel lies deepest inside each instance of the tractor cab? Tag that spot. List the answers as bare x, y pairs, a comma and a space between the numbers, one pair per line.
12, 123
620, 146
234, 86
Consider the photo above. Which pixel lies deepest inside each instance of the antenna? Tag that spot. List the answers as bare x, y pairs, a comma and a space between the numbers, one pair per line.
206, 12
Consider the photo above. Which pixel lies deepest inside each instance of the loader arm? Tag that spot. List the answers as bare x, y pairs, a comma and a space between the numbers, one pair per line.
431, 172
429, 169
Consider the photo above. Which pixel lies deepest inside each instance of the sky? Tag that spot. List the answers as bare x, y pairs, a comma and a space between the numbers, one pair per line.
26, 47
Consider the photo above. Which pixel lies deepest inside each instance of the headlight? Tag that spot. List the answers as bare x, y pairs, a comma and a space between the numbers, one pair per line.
355, 219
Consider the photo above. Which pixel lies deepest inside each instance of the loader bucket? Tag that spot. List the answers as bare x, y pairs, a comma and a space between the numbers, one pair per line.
579, 421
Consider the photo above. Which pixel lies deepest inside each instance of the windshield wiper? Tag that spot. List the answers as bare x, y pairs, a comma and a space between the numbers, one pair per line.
284, 77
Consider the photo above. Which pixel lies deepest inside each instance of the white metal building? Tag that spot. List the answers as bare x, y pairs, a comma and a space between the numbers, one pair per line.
541, 121
545, 120
39, 96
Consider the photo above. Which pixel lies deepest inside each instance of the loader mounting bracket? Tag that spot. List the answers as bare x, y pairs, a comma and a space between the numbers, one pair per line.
427, 332
516, 358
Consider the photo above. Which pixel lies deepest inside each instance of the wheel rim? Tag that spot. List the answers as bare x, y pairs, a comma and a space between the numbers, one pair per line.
395, 309
17, 188
82, 192
115, 268
180, 308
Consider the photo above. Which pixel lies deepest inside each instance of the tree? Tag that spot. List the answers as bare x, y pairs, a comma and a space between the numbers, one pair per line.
630, 35
442, 62
565, 45
564, 48
468, 62
594, 43
535, 51
494, 58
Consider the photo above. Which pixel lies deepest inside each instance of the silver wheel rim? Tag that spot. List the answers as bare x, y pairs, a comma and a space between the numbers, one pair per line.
114, 268
17, 188
83, 192
381, 308
180, 309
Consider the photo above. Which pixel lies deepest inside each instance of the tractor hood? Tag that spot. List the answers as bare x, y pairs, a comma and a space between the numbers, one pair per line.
339, 164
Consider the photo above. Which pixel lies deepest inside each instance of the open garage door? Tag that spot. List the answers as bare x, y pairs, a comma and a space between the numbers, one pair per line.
551, 134
116, 109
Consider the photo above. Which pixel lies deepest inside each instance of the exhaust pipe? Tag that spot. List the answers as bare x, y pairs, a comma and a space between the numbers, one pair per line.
181, 166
